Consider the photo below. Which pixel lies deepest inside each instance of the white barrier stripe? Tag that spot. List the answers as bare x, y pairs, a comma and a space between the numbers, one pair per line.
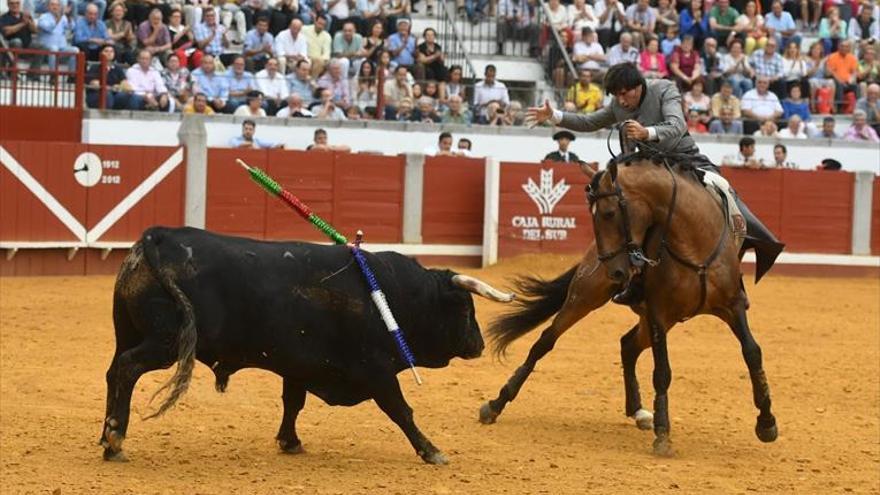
42, 194
384, 310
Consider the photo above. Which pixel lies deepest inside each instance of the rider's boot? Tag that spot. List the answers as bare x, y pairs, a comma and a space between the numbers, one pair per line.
758, 237
631, 294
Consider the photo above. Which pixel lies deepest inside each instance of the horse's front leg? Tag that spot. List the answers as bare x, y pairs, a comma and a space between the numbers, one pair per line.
631, 346
662, 380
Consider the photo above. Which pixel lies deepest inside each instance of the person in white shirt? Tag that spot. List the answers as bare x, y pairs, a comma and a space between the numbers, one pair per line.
294, 108
444, 147
796, 129
582, 16
490, 89
746, 156
253, 107
780, 158
760, 103
612, 20
291, 46
587, 52
273, 85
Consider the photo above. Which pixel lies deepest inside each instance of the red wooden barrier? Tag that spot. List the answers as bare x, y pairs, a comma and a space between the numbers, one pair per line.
875, 218
561, 225
817, 211
452, 201
762, 192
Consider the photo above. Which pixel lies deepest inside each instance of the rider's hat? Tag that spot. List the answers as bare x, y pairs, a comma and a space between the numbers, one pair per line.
563, 134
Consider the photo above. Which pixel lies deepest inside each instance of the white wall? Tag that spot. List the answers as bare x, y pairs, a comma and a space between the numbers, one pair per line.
514, 144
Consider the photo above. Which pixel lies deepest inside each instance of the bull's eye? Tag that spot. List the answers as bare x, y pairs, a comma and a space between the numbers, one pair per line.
608, 215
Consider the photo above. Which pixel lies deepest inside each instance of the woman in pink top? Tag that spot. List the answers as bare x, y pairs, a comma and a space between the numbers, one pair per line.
653, 63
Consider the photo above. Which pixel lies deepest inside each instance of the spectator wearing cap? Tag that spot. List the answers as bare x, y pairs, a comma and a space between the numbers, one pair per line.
291, 46
247, 139
586, 96
402, 44
319, 45
89, 34
859, 130
562, 154
259, 45
241, 83
488, 90
746, 156
588, 53
253, 107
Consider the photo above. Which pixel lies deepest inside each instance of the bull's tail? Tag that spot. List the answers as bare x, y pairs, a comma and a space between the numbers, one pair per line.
543, 299
186, 338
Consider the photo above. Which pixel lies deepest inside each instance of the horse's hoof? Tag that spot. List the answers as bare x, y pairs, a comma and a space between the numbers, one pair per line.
436, 458
113, 440
291, 448
111, 455
663, 447
487, 414
766, 434
644, 419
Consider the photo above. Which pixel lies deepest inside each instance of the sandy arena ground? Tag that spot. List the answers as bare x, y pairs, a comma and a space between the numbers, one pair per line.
566, 433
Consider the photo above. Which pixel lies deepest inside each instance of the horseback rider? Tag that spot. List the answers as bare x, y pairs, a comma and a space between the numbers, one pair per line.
650, 115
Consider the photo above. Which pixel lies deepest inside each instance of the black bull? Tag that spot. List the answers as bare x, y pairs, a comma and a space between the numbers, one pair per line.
300, 310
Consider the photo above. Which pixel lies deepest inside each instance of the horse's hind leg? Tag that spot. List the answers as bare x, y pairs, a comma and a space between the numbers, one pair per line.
631, 346
765, 428
586, 293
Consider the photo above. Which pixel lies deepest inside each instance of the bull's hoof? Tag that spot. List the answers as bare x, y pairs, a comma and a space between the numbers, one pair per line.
291, 447
487, 414
437, 458
766, 432
644, 419
111, 455
663, 447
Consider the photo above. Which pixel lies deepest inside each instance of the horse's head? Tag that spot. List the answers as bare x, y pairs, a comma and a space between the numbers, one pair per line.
620, 222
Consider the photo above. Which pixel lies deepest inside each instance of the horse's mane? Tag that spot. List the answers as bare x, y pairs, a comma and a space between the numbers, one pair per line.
683, 165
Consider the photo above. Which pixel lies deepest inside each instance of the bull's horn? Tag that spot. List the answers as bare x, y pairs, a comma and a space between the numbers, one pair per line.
481, 288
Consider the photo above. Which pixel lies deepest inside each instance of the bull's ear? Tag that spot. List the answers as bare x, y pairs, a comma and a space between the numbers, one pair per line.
480, 288
589, 168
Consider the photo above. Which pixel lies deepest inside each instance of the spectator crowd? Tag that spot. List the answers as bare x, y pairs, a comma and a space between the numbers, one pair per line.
739, 63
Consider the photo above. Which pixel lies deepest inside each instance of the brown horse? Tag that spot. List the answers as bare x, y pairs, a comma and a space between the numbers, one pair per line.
695, 270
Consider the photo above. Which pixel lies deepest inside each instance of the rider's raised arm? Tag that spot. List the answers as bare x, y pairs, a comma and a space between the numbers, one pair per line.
673, 125
580, 122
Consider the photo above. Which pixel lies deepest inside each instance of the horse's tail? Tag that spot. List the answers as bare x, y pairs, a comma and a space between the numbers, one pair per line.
543, 299
186, 338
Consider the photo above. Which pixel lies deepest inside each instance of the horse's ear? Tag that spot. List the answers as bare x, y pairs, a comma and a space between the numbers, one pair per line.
589, 168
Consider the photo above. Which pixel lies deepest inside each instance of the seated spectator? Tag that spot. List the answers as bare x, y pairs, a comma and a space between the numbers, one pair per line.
90, 33
199, 105
253, 107
737, 69
666, 17
652, 62
859, 130
865, 27
374, 42
517, 22
395, 90
586, 96
780, 25
515, 114
726, 123
311, 10
402, 112
210, 35
321, 143
641, 20
870, 104
494, 114
693, 21
370, 13
208, 82
612, 20
248, 140
301, 83
258, 45
402, 44
118, 91
488, 90
364, 90
253, 11
795, 129
193, 10
832, 29
122, 34
295, 108
768, 64
768, 129
710, 63
393, 10
623, 52
796, 68
722, 22
750, 27
556, 16
430, 58
695, 99
796, 105
685, 65
869, 69
53, 29
587, 53
326, 107
581, 15
319, 45
827, 131
282, 14
154, 36
819, 81
177, 81
464, 146
337, 82
695, 123
273, 85
348, 48
780, 158
149, 91
562, 154
670, 42
240, 82
725, 99
231, 13
456, 113
746, 156
425, 111
432, 91
291, 47
182, 43
844, 66
17, 26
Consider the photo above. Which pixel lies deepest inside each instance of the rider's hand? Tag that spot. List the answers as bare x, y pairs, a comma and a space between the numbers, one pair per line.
635, 130
538, 115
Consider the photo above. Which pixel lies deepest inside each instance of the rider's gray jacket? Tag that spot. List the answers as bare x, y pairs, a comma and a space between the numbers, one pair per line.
660, 112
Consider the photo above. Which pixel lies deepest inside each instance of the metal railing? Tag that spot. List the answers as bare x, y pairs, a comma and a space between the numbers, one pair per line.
555, 58
26, 81
450, 38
